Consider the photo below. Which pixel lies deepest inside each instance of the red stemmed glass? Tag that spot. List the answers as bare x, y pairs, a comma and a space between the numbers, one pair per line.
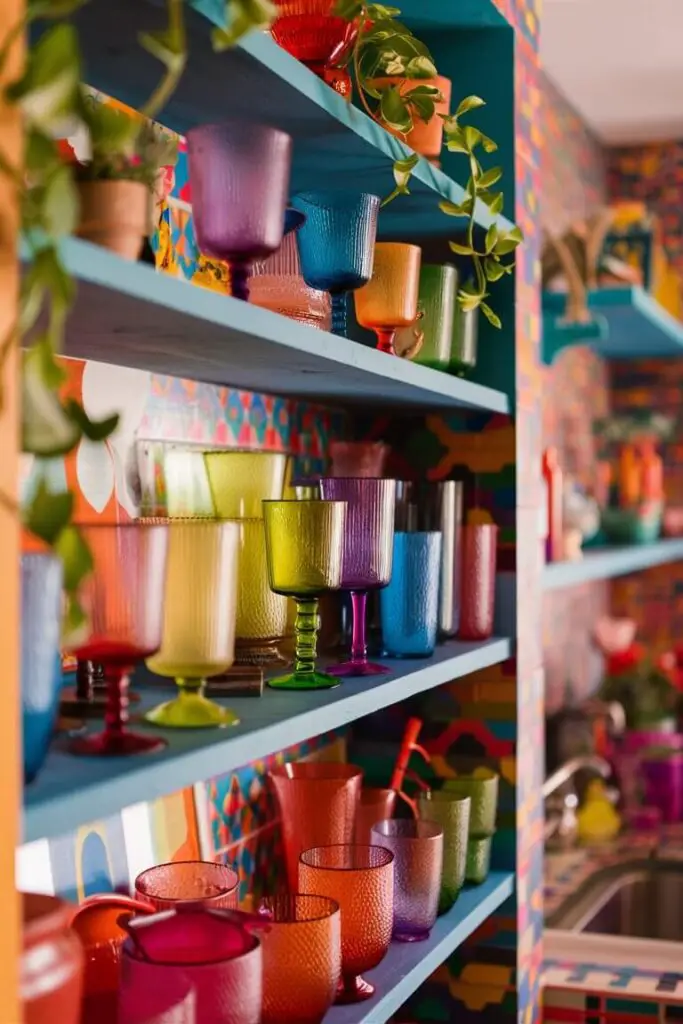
124, 598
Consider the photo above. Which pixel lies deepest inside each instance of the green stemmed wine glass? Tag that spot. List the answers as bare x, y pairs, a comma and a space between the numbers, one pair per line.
304, 544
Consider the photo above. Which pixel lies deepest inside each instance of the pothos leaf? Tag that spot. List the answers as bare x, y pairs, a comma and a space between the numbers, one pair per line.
242, 17
394, 111
421, 67
46, 429
60, 205
94, 430
48, 513
491, 238
492, 317
460, 250
490, 177
75, 555
469, 103
494, 271
348, 9
456, 209
403, 170
47, 92
468, 301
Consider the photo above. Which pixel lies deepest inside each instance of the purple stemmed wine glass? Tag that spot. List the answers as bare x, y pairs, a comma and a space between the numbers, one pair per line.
368, 547
239, 175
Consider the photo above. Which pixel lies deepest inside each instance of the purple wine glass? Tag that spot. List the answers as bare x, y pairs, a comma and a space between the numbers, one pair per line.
368, 548
239, 175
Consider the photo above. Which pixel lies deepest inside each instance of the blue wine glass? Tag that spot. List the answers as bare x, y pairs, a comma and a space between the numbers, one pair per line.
336, 245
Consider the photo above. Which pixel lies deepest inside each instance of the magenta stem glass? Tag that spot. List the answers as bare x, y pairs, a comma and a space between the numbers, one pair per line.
239, 176
367, 557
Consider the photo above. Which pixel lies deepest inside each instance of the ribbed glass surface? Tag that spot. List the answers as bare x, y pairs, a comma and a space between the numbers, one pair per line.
304, 544
369, 529
240, 481
261, 614
389, 299
410, 604
336, 243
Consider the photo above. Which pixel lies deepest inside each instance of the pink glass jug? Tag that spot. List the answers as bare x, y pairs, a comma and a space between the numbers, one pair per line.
209, 949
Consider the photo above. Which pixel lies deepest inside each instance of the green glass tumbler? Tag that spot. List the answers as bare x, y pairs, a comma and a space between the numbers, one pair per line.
452, 812
304, 555
482, 786
436, 302
465, 338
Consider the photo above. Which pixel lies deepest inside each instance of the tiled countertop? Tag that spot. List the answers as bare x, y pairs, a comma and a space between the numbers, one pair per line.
564, 968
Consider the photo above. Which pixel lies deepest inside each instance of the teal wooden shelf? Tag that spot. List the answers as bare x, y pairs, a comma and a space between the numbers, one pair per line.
408, 964
627, 324
72, 791
130, 315
336, 145
604, 563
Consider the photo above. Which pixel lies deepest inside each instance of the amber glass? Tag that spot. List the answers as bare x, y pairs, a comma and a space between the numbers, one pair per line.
318, 803
199, 621
417, 847
301, 958
304, 551
452, 812
172, 886
361, 880
374, 805
240, 481
124, 599
389, 299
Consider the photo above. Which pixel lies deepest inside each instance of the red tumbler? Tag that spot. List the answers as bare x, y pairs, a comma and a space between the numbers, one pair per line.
478, 581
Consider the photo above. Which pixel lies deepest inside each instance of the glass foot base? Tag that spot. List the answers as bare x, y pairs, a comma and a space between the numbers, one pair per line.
304, 681
191, 711
353, 990
355, 669
120, 744
406, 936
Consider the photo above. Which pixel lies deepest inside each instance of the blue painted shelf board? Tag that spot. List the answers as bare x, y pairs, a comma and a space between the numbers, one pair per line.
336, 145
72, 791
635, 325
604, 563
409, 964
130, 315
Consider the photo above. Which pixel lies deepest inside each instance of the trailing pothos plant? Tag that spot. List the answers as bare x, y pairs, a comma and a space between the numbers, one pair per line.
53, 107
384, 46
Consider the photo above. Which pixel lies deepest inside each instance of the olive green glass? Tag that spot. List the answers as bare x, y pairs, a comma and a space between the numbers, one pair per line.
465, 339
478, 859
452, 812
482, 786
436, 303
304, 555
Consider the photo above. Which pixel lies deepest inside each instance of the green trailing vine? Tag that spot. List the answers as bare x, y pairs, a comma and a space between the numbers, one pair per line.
54, 106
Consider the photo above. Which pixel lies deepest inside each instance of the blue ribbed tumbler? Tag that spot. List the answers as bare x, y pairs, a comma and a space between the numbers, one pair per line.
41, 669
336, 245
410, 604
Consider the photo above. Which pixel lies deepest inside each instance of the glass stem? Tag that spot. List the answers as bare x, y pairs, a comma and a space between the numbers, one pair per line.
116, 710
385, 341
239, 281
190, 687
306, 633
359, 647
340, 302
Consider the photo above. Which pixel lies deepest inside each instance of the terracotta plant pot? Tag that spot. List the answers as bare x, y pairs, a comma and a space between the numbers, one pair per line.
426, 137
115, 215
51, 963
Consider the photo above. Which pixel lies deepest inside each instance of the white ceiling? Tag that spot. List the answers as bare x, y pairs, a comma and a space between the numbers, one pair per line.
620, 63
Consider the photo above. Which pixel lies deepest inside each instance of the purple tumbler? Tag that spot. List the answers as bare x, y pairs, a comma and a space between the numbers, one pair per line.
239, 175
662, 772
368, 551
417, 847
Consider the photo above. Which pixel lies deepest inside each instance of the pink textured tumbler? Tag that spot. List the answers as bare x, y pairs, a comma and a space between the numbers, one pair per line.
219, 959
478, 581
173, 1004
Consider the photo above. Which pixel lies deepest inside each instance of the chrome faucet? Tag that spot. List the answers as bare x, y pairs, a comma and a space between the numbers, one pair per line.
561, 822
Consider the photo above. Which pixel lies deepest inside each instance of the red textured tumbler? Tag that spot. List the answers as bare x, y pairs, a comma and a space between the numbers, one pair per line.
478, 581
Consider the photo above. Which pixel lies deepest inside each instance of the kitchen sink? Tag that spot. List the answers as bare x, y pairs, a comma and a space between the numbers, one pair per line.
638, 899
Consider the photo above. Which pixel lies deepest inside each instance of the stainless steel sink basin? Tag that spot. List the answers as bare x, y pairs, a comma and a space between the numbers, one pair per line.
637, 899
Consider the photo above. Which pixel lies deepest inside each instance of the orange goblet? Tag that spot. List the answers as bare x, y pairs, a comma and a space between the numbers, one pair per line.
301, 958
389, 299
196, 882
361, 880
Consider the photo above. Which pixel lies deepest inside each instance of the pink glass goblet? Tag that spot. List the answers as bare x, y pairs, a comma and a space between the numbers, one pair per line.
239, 175
124, 598
367, 558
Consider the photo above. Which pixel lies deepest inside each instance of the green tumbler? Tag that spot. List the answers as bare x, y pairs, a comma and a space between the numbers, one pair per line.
452, 812
482, 786
436, 303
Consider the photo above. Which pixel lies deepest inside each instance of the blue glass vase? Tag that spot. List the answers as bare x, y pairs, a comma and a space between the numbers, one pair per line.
41, 669
336, 245
410, 604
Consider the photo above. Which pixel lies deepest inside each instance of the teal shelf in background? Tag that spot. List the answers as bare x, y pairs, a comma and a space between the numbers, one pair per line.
336, 145
408, 964
604, 563
130, 315
72, 791
627, 324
